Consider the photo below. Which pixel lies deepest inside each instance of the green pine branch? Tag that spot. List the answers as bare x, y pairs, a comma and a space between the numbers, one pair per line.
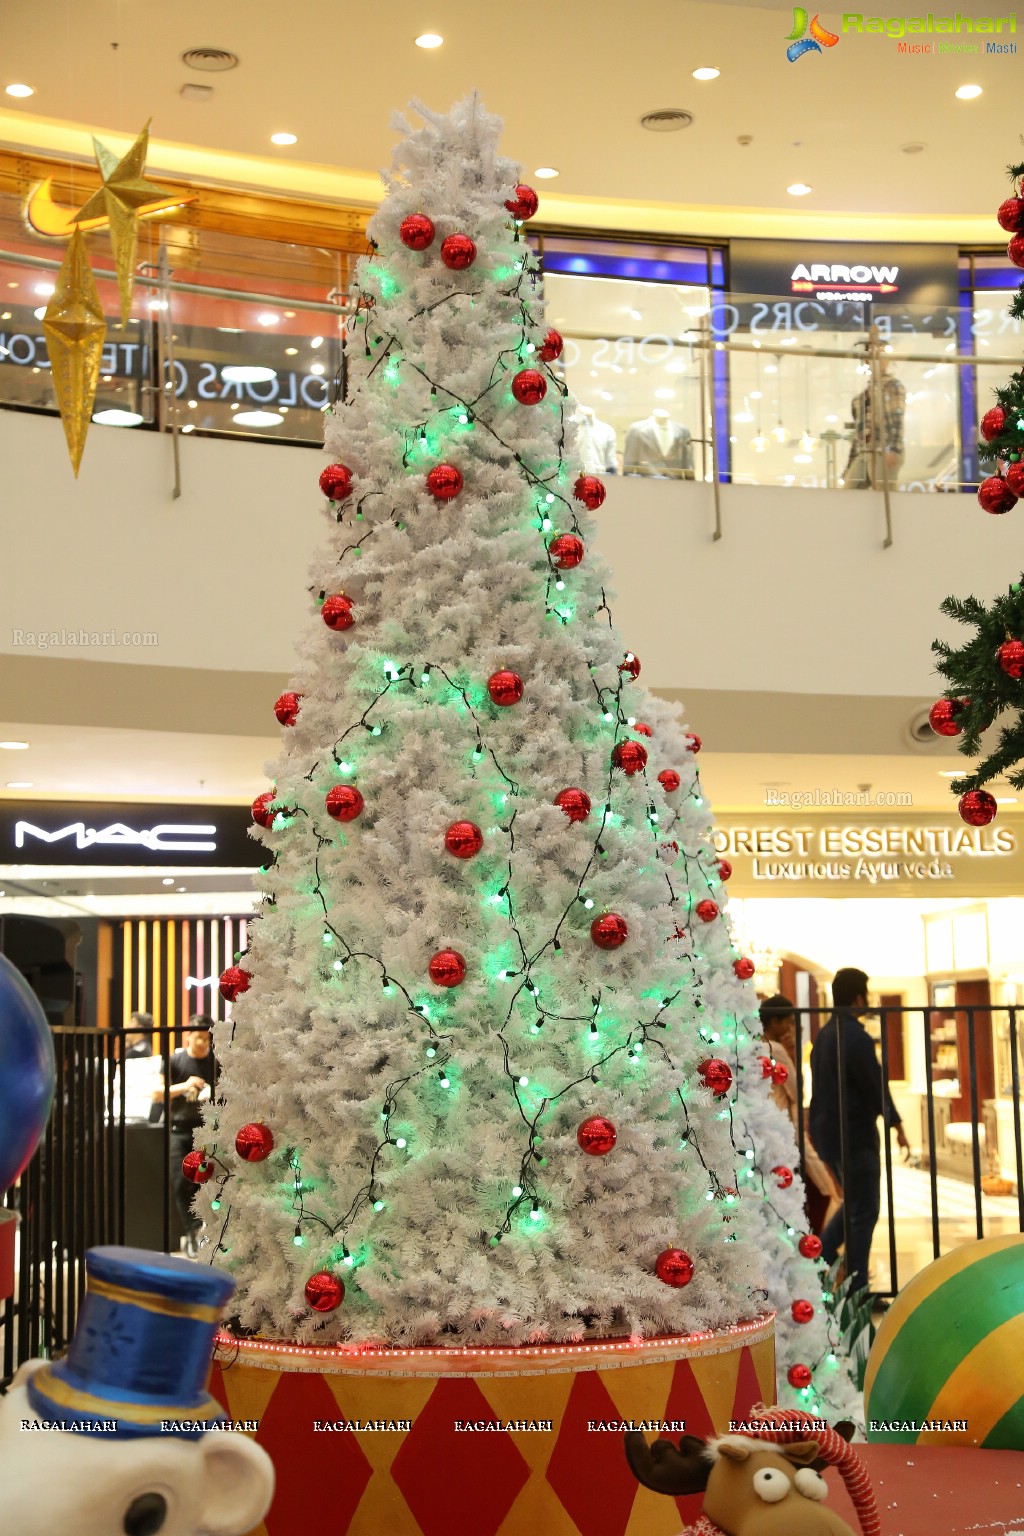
972, 672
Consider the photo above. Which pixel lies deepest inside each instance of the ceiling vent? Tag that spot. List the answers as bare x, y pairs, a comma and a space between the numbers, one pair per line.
920, 734
667, 120
212, 61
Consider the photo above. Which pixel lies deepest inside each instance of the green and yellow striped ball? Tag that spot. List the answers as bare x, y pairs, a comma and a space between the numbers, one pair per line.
951, 1347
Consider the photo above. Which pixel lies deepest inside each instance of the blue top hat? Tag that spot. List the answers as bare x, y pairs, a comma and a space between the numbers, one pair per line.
140, 1357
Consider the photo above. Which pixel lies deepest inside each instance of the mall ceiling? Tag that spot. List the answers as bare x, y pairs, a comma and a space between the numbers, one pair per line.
872, 131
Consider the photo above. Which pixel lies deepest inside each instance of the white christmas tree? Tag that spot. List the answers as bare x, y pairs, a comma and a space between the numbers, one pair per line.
813, 1367
463, 1097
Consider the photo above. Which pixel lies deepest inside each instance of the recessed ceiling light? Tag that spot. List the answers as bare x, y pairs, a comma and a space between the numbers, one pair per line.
167, 880
259, 418
317, 341
799, 189
284, 138
44, 290
40, 312
706, 73
181, 888
13, 746
290, 351
967, 92
545, 172
20, 90
802, 458
117, 418
20, 784
316, 368
429, 40
247, 373
269, 318
1006, 799
950, 773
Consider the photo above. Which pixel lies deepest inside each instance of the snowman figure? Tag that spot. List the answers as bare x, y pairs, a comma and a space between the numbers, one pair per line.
121, 1437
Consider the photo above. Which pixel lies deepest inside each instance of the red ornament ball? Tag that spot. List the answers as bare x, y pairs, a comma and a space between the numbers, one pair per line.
707, 910
337, 612
766, 1066
590, 491
464, 839
344, 802
743, 968
233, 982
630, 756
550, 349
195, 1167
458, 252
944, 716
287, 708
596, 1136
529, 386
783, 1176
416, 231
669, 780
724, 870
995, 496
505, 688
336, 482
716, 1075
674, 1267
262, 812
630, 664
254, 1142
444, 481
977, 808
447, 968
609, 931
992, 423
1015, 249
1011, 214
1013, 474
523, 203
799, 1376
324, 1291
642, 728
574, 802
566, 550
780, 1073
802, 1311
1010, 657
693, 742
810, 1246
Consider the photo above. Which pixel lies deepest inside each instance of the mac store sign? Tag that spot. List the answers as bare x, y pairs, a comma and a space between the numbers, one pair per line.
84, 834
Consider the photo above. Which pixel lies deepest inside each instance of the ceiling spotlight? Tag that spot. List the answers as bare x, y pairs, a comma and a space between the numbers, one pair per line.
429, 40
269, 318
706, 73
13, 746
44, 290
167, 880
284, 138
117, 418
545, 172
967, 92
799, 189
317, 368
20, 784
20, 90
247, 373
259, 418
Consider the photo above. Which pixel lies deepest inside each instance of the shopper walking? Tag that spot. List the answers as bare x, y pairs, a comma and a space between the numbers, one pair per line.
193, 1074
865, 1098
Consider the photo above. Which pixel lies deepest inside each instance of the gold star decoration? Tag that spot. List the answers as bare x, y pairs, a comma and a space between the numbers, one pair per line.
124, 191
75, 329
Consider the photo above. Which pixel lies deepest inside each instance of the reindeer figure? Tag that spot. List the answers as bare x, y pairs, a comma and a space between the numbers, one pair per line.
754, 1486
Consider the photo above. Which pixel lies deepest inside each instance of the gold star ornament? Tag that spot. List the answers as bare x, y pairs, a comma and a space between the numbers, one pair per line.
75, 329
124, 191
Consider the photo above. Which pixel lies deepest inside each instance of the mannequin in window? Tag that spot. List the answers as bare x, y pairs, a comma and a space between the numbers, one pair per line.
597, 443
659, 446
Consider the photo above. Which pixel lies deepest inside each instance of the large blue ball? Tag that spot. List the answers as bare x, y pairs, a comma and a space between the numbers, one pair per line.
26, 1073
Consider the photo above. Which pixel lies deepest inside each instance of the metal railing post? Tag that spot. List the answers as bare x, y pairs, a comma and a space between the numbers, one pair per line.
705, 361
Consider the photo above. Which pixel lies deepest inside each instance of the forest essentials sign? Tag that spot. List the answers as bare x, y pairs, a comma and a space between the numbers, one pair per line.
870, 855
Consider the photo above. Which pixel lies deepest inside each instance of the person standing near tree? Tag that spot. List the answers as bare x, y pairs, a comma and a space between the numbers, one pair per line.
778, 1027
193, 1074
865, 1098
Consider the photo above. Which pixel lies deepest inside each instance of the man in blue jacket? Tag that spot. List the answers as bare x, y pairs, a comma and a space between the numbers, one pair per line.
866, 1099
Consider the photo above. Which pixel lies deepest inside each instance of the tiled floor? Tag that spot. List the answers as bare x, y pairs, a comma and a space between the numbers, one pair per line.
911, 1190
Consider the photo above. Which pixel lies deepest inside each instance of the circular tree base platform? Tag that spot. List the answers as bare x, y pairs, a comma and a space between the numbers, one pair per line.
482, 1442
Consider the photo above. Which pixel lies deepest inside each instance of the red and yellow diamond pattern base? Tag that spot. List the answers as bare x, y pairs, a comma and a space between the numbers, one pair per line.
435, 1480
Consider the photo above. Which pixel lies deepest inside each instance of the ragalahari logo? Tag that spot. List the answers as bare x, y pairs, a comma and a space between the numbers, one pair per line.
799, 41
